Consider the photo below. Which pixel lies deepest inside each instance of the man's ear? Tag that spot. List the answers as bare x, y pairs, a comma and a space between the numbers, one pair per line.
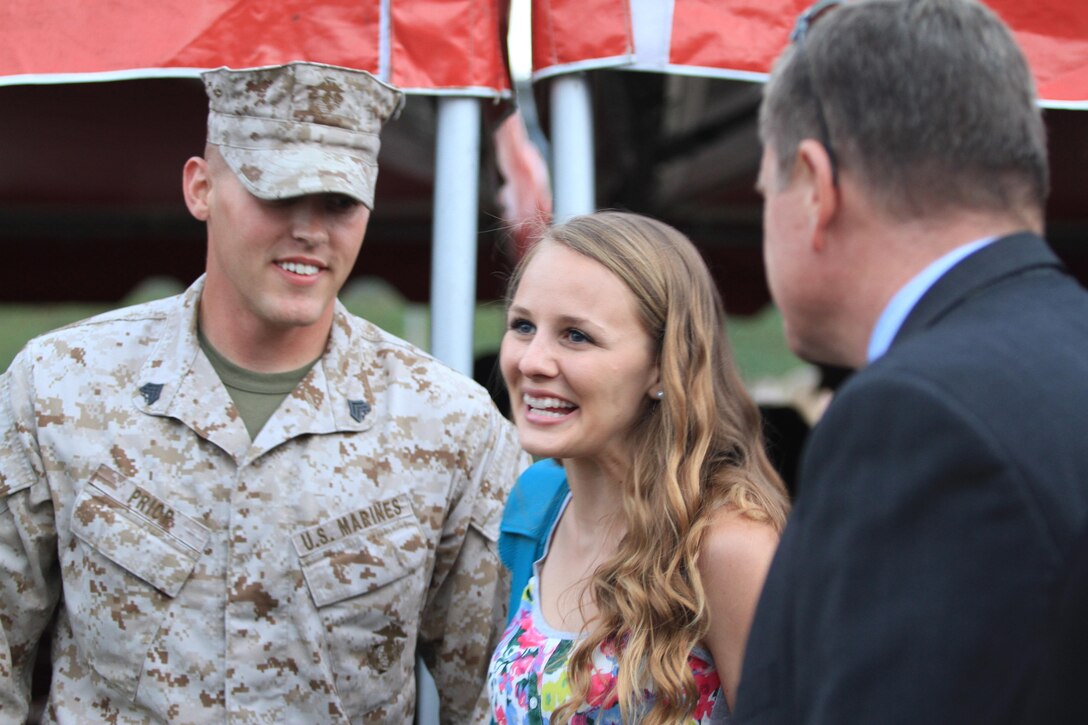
816, 165
195, 185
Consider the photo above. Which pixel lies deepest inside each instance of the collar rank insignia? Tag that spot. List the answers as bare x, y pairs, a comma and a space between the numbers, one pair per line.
358, 409
151, 392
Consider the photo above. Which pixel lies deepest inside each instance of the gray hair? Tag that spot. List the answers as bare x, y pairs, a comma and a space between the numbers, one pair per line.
929, 103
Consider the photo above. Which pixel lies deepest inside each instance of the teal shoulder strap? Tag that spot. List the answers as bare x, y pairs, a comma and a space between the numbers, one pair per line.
528, 517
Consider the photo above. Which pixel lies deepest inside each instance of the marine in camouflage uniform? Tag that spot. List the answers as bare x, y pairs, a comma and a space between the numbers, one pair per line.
196, 574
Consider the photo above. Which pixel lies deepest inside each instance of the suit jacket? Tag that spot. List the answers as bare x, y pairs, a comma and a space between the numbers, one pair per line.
941, 496
1057, 695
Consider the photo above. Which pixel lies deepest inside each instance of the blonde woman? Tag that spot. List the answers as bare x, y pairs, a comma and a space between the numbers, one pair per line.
669, 512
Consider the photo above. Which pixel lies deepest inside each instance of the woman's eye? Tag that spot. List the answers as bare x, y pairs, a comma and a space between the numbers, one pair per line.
522, 327
577, 336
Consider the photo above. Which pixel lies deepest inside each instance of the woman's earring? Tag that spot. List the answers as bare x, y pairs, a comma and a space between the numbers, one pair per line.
660, 395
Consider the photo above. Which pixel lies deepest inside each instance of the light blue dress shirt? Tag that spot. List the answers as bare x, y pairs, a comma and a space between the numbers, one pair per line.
893, 316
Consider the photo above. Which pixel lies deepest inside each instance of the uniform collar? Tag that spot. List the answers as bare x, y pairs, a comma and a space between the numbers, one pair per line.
178, 381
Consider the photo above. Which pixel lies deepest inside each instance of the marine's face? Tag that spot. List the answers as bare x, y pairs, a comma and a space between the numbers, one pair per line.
579, 365
278, 264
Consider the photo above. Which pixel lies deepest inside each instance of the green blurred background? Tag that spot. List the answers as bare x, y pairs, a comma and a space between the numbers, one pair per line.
757, 340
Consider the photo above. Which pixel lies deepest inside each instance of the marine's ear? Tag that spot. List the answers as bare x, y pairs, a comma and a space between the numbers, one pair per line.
195, 186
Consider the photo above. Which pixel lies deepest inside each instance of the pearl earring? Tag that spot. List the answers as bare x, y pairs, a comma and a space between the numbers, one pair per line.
660, 395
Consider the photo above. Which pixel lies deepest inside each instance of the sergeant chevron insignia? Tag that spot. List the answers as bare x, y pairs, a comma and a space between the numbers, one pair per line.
151, 392
358, 409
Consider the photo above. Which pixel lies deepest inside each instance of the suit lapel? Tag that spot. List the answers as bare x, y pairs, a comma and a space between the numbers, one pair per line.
1011, 255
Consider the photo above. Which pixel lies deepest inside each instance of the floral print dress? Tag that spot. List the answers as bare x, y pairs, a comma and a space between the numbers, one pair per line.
527, 678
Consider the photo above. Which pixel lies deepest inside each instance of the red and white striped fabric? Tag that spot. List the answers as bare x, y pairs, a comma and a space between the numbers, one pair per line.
739, 39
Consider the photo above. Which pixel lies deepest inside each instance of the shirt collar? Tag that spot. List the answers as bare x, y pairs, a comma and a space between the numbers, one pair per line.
900, 305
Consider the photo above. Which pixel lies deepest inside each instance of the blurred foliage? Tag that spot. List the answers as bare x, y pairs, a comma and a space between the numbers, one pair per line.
759, 346
757, 340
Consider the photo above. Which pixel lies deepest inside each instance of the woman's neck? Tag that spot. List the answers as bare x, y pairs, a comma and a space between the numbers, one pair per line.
596, 492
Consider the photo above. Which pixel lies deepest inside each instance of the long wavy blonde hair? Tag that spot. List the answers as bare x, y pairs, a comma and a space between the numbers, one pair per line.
698, 449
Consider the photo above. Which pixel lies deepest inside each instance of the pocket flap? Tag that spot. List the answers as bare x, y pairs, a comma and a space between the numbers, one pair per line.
137, 531
345, 557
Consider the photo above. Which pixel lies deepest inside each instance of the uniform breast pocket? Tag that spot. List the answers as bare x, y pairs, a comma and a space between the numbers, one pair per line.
132, 554
368, 583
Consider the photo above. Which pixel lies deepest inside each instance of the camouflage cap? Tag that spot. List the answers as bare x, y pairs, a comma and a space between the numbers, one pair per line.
300, 128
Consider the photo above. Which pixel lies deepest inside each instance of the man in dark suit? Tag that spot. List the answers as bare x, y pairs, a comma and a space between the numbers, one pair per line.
943, 492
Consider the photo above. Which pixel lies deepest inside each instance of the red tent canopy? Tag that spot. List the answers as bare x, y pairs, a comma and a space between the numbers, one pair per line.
741, 38
428, 46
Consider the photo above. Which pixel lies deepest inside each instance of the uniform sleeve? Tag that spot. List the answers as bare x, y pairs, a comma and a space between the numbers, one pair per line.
29, 583
907, 583
465, 612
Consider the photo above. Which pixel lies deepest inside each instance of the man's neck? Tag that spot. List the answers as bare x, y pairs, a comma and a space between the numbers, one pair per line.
265, 348
879, 251
912, 248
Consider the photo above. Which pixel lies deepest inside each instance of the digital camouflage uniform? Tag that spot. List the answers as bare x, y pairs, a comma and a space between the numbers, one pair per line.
208, 578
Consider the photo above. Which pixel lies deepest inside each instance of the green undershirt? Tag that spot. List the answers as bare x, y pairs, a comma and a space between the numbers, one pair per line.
255, 395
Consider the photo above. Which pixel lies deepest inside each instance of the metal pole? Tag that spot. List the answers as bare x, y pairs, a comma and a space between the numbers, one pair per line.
453, 275
572, 147
453, 261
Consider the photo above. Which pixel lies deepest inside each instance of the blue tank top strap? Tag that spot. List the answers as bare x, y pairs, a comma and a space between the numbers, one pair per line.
527, 519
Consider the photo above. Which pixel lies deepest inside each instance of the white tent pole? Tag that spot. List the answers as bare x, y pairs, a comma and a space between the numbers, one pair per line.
453, 235
572, 147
